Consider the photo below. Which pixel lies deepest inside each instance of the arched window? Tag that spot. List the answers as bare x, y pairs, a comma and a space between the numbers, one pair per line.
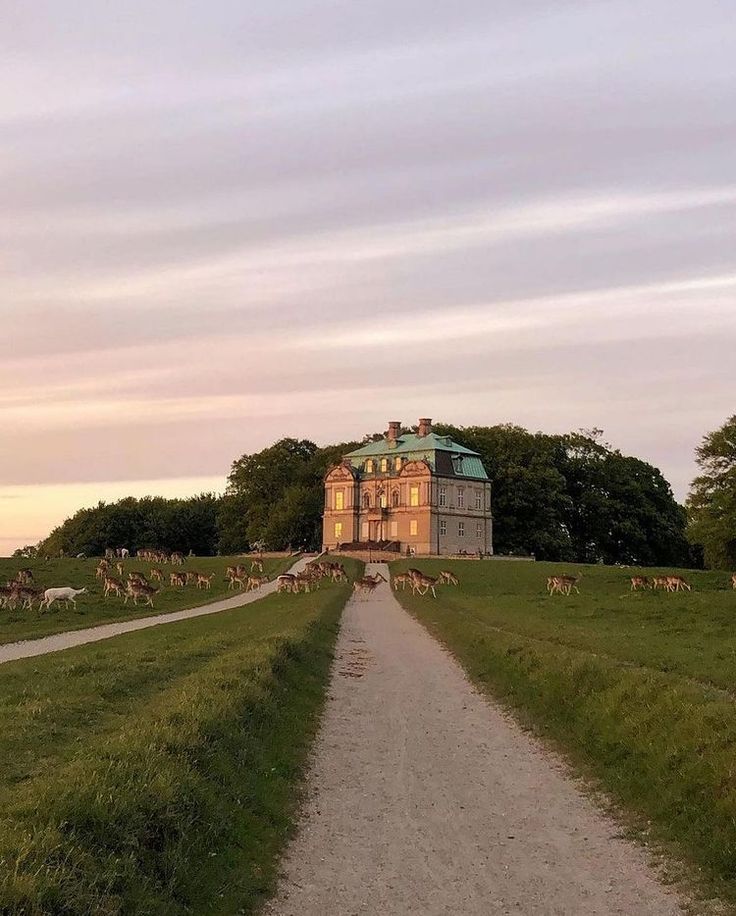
384, 465
366, 500
395, 499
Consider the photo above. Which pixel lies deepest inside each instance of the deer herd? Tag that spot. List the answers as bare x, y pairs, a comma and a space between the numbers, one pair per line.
23, 591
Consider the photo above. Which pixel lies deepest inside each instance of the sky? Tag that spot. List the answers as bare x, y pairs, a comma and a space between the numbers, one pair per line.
223, 223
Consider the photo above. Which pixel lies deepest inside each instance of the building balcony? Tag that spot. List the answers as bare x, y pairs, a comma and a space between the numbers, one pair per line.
375, 512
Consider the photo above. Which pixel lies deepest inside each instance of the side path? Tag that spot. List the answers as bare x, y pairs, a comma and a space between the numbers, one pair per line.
424, 798
27, 648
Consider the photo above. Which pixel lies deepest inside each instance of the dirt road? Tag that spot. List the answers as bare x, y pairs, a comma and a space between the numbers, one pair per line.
28, 648
426, 799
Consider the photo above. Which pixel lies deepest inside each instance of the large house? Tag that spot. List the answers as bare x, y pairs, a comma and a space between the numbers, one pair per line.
418, 492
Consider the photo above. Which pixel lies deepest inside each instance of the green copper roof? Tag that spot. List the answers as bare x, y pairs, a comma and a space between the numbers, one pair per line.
455, 460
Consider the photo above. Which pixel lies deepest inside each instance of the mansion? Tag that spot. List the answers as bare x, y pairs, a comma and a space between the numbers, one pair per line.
418, 492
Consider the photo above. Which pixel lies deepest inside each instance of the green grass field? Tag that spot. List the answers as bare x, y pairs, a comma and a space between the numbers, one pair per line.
93, 608
637, 688
159, 772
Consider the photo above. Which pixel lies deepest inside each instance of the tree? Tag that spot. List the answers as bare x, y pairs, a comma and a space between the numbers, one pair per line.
711, 504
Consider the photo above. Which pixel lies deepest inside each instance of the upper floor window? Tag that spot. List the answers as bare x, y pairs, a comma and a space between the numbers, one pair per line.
395, 498
383, 501
397, 464
414, 496
384, 464
366, 500
460, 498
478, 500
369, 466
443, 496
339, 499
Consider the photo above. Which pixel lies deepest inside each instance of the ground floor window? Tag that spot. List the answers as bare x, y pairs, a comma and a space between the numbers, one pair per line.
364, 531
413, 527
338, 531
443, 527
461, 529
394, 529
479, 530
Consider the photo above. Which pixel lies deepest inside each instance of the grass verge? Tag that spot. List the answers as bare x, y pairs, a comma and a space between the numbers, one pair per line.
159, 772
636, 689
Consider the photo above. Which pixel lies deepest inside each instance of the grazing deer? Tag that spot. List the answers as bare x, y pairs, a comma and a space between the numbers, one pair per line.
26, 594
661, 582
256, 566
192, 576
114, 586
177, 579
205, 581
427, 583
102, 569
137, 577
402, 579
638, 582
157, 574
448, 578
563, 585
136, 590
24, 577
120, 569
677, 584
286, 583
255, 582
177, 558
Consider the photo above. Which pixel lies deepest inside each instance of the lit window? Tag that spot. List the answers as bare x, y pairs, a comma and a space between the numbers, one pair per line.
479, 500
479, 530
384, 464
339, 499
413, 527
461, 529
338, 531
460, 498
398, 464
443, 496
443, 527
414, 496
369, 466
383, 501
395, 499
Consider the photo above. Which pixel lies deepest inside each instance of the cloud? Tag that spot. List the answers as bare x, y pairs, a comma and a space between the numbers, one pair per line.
224, 225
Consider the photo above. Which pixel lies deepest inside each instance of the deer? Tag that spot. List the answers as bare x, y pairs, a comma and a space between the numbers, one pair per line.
638, 582
137, 577
255, 582
368, 583
114, 586
24, 577
26, 594
205, 581
256, 565
446, 577
733, 581
177, 558
67, 594
177, 579
136, 590
661, 582
157, 574
286, 583
401, 579
563, 585
423, 581
120, 569
677, 584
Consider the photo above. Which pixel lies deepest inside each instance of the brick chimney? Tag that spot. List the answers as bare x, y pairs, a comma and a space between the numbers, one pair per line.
393, 430
425, 427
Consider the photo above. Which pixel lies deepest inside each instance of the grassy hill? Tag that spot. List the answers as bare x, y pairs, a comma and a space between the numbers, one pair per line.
93, 608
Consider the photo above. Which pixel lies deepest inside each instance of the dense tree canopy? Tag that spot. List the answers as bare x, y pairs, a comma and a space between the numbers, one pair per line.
177, 524
712, 501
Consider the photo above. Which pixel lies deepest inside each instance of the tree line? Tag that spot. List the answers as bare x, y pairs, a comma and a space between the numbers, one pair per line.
569, 497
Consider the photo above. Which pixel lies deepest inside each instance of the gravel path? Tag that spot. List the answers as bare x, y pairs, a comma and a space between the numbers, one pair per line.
424, 798
28, 648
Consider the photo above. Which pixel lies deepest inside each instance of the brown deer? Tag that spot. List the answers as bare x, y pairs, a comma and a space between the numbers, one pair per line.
368, 583
114, 586
177, 579
733, 581
402, 579
286, 583
205, 581
638, 582
448, 578
136, 590
255, 582
425, 583
256, 566
157, 574
677, 584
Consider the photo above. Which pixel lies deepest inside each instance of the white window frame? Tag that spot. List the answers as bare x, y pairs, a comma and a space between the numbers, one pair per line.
442, 499
478, 500
460, 498
443, 527
461, 529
